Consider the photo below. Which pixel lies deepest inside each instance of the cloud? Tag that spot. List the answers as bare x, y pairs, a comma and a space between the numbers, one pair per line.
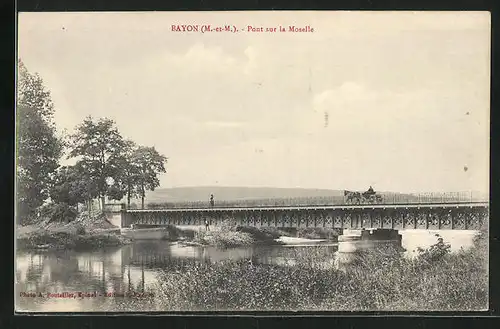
353, 109
395, 89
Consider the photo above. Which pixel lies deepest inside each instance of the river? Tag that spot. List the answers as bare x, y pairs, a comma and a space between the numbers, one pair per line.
136, 267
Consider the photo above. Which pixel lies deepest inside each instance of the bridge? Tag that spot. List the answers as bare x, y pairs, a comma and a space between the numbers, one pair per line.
429, 216
364, 226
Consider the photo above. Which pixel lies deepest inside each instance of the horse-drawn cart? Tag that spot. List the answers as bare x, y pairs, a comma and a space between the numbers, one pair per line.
369, 196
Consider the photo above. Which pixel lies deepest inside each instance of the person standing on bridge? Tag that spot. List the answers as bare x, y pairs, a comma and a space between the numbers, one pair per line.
207, 222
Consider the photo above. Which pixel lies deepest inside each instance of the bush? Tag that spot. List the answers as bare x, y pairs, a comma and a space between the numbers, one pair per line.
58, 212
435, 252
228, 225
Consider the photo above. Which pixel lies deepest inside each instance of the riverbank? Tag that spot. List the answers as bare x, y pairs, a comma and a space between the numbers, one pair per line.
94, 232
434, 281
85, 233
224, 236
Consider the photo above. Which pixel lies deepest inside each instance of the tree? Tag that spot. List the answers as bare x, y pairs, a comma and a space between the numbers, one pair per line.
149, 164
73, 186
129, 174
31, 93
68, 186
99, 144
38, 147
87, 184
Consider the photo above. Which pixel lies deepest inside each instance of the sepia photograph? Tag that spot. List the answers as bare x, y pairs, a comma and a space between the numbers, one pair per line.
252, 161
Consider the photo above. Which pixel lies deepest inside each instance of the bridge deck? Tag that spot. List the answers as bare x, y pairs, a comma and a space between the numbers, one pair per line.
456, 216
324, 207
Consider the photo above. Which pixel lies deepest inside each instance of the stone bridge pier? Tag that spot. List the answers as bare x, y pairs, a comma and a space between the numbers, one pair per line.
352, 242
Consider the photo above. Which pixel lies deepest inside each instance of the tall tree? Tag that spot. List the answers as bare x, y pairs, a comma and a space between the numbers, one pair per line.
149, 164
129, 173
87, 183
99, 145
31, 93
38, 146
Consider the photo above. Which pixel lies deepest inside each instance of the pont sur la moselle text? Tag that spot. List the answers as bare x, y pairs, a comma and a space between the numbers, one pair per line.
204, 28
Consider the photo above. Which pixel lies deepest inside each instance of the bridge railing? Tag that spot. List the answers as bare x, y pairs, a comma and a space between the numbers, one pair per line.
386, 198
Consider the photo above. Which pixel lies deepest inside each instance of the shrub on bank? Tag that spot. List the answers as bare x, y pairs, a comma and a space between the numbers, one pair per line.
45, 239
223, 239
229, 234
383, 281
98, 241
58, 212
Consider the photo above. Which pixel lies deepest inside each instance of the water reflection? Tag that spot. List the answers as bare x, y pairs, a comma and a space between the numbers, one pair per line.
129, 268
135, 267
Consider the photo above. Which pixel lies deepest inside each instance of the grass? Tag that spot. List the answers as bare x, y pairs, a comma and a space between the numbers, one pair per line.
381, 281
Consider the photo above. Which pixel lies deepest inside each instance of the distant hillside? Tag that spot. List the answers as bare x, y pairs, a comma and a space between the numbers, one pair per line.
202, 193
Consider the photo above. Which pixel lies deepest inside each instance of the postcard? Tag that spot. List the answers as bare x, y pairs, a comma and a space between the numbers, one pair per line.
252, 161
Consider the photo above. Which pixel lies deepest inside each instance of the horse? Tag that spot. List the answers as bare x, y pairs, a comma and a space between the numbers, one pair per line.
352, 196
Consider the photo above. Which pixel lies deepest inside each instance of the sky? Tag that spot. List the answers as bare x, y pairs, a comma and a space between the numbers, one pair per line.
396, 100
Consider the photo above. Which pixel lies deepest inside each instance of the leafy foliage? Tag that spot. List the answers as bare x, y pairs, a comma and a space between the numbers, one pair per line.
436, 251
106, 155
31, 93
129, 173
58, 212
148, 163
72, 186
107, 164
99, 144
38, 147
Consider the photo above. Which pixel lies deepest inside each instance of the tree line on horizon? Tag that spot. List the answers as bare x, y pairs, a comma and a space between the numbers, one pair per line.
107, 164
